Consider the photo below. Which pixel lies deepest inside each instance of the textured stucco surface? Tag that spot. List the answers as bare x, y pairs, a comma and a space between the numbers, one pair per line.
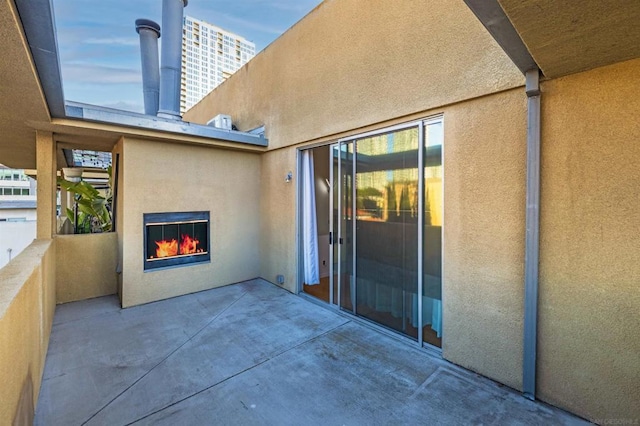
27, 304
117, 159
589, 329
161, 177
46, 191
20, 95
485, 141
86, 266
484, 181
571, 36
277, 217
353, 63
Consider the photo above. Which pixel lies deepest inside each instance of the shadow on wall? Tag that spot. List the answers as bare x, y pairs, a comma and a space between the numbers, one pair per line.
26, 409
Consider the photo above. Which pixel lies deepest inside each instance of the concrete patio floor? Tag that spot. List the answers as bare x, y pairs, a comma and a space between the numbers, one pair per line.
252, 353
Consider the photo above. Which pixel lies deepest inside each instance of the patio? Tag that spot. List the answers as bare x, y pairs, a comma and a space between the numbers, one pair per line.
252, 353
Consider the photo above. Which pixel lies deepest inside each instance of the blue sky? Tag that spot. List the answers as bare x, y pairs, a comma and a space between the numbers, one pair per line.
98, 44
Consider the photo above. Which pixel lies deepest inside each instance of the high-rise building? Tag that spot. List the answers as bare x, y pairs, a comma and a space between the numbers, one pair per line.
209, 56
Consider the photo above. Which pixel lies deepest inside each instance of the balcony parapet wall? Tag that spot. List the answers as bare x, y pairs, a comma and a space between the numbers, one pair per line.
27, 305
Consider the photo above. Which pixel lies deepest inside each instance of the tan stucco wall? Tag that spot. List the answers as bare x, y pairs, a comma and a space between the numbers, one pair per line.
47, 222
589, 330
277, 217
117, 156
485, 142
484, 180
354, 63
163, 177
27, 304
86, 266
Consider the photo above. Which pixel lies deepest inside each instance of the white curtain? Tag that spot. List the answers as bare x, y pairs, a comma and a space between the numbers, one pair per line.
309, 221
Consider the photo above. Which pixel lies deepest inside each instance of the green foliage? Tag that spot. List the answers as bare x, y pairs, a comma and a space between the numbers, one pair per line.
94, 213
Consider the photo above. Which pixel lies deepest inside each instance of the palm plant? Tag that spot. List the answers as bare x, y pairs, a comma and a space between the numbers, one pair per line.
93, 211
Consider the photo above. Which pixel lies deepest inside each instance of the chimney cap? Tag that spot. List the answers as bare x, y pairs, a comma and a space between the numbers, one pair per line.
147, 24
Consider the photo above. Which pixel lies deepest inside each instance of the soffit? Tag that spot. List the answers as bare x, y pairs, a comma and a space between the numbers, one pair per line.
21, 98
568, 36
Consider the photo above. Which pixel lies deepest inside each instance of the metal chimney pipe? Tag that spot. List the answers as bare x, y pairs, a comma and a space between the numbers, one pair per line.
149, 32
171, 66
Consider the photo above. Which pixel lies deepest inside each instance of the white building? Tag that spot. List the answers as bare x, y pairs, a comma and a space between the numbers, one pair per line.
17, 212
209, 56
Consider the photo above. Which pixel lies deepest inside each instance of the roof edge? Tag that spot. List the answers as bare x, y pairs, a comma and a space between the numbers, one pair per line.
497, 23
39, 29
136, 120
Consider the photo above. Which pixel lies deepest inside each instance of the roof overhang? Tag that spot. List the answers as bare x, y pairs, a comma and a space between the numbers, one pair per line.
134, 120
21, 96
565, 37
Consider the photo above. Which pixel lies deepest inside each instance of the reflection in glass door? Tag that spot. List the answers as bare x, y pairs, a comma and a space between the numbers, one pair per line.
386, 207
387, 228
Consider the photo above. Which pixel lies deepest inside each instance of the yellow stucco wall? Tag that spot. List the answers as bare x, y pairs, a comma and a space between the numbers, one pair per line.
277, 217
27, 304
332, 73
164, 177
485, 148
86, 266
589, 330
117, 171
484, 192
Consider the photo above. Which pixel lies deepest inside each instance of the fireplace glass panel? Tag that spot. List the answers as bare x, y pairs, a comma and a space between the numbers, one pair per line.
173, 239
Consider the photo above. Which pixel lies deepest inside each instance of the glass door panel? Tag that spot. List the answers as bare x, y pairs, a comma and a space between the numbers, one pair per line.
432, 236
386, 215
346, 282
335, 208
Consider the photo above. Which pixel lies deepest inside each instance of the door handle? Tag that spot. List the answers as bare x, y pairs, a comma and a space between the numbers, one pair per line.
330, 238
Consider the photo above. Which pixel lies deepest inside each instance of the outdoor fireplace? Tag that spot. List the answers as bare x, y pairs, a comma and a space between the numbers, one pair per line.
175, 239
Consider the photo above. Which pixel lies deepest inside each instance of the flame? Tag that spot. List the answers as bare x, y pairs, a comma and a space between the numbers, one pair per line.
167, 248
189, 245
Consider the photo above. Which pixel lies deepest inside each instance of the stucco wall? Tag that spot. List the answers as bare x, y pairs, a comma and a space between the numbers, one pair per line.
485, 142
86, 266
118, 196
27, 304
164, 177
589, 330
484, 192
353, 63
277, 217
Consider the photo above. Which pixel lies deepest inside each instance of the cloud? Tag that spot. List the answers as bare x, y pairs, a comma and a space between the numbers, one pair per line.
100, 74
122, 41
253, 24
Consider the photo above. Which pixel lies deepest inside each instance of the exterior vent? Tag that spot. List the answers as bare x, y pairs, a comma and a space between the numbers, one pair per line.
221, 121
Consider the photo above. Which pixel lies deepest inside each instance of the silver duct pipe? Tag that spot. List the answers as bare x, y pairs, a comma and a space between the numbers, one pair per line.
149, 32
532, 237
171, 67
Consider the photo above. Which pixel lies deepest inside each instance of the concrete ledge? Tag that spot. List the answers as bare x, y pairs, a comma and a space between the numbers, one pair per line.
27, 303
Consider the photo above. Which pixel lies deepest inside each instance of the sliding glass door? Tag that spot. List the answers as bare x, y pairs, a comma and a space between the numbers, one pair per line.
387, 226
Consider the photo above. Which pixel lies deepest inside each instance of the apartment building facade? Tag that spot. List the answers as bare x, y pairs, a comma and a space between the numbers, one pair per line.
210, 55
17, 212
